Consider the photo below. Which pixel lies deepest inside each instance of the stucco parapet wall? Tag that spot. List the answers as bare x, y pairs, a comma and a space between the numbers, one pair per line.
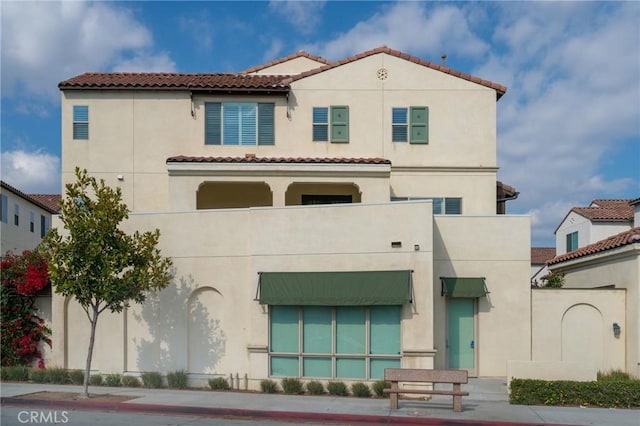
279, 169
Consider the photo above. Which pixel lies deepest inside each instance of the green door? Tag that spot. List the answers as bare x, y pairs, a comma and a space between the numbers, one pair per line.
460, 333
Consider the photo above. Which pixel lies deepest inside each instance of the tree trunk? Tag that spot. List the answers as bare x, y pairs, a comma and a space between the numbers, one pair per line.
93, 319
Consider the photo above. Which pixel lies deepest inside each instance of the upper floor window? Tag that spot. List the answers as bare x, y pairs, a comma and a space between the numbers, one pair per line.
239, 123
16, 215
331, 124
32, 221
441, 205
410, 124
80, 122
44, 225
572, 241
4, 206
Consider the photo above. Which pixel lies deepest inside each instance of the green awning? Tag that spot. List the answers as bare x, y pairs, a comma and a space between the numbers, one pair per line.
463, 287
335, 288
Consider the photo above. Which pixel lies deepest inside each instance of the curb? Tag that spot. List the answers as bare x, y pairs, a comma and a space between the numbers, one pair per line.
244, 414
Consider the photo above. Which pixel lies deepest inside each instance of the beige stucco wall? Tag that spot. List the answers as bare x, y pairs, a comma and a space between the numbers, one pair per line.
207, 321
132, 133
470, 247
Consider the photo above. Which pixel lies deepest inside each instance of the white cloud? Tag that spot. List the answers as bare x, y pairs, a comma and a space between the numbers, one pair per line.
303, 15
32, 172
68, 38
416, 27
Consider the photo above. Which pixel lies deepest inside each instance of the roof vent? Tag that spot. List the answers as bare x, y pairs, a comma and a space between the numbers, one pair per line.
250, 156
444, 59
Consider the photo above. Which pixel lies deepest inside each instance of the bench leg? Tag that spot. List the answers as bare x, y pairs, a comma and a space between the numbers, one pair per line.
457, 399
393, 397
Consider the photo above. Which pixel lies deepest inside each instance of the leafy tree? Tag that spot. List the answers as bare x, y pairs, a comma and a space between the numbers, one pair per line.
96, 262
553, 280
23, 331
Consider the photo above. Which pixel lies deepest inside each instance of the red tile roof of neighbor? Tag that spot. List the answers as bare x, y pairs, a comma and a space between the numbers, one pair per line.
228, 81
607, 210
48, 202
253, 159
540, 255
632, 236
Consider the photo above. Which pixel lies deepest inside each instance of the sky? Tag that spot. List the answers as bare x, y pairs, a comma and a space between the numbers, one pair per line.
568, 127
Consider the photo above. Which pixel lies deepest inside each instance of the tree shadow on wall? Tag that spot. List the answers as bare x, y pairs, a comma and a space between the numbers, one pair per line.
183, 333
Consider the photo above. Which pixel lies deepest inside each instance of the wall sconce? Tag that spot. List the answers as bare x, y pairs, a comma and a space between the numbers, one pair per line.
120, 177
416, 247
616, 330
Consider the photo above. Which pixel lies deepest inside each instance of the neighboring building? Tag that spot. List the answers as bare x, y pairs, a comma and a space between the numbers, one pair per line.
601, 291
539, 258
25, 219
325, 219
587, 225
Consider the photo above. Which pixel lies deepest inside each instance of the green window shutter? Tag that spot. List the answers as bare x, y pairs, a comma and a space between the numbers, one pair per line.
81, 122
212, 123
419, 125
340, 124
266, 134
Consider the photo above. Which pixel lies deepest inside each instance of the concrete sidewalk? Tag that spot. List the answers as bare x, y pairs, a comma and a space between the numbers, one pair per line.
486, 404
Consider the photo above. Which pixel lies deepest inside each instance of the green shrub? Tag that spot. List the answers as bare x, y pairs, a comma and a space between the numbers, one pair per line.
58, 376
76, 377
219, 383
337, 388
130, 382
39, 375
151, 379
315, 388
379, 386
95, 380
268, 386
615, 376
177, 379
292, 385
113, 380
611, 394
14, 373
361, 390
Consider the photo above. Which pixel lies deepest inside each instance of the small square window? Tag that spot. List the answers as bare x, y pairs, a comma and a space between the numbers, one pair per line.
81, 122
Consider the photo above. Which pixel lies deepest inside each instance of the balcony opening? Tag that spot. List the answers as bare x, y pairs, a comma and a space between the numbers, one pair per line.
230, 195
321, 193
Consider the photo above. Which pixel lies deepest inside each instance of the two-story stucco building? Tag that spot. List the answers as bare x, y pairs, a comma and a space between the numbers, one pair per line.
326, 219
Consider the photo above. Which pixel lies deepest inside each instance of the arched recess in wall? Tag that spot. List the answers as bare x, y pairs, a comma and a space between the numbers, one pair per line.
582, 335
206, 336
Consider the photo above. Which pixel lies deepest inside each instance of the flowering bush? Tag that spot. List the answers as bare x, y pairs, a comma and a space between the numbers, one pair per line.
23, 277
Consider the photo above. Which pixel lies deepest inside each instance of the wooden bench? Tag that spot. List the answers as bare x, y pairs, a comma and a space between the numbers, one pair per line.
415, 375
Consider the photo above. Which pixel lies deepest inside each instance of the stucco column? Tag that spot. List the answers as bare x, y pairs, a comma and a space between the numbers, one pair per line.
278, 191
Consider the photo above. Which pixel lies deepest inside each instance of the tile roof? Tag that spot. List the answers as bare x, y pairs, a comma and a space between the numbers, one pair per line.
299, 54
173, 81
540, 255
607, 210
48, 202
500, 89
632, 236
295, 160
244, 81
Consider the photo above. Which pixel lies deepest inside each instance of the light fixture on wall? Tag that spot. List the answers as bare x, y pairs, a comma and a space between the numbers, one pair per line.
616, 330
